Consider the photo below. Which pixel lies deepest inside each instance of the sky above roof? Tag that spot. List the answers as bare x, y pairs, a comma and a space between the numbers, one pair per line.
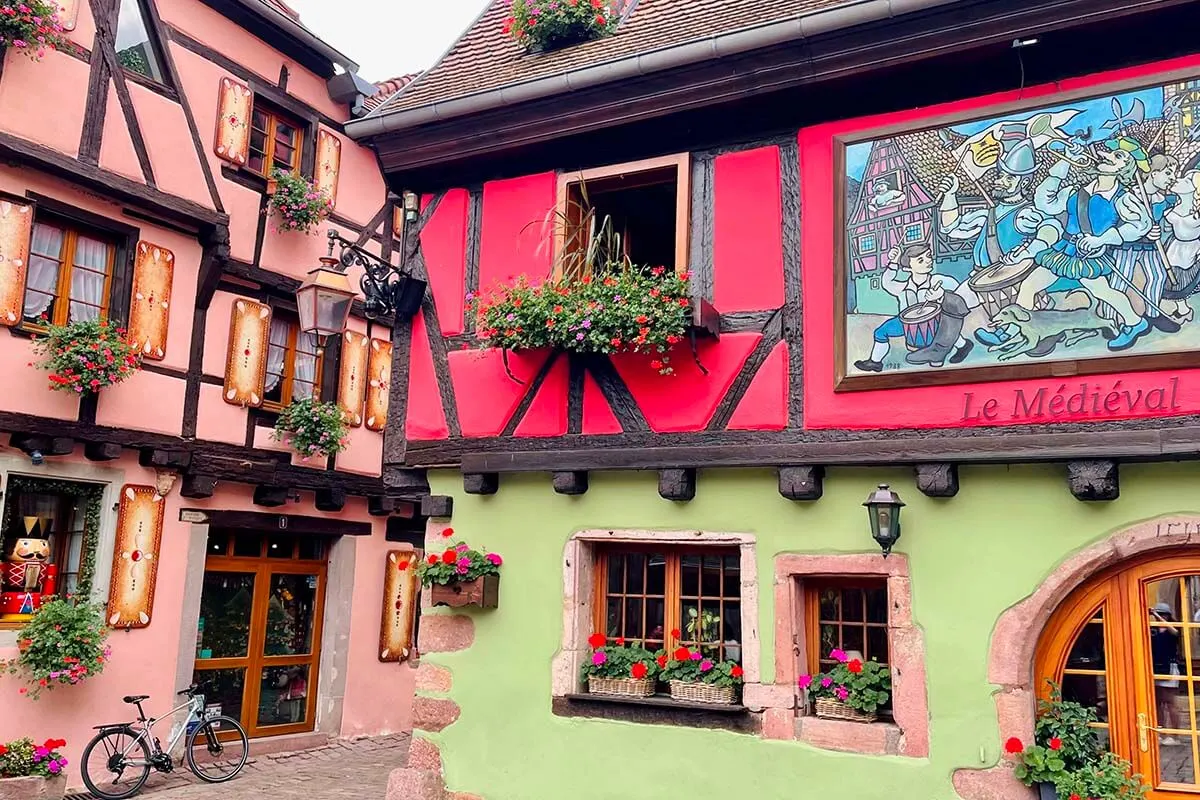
388, 38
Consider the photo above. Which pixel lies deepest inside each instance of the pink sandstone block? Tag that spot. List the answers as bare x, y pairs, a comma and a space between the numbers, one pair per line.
432, 678
415, 784
424, 755
996, 783
445, 633
433, 714
464, 796
850, 737
757, 696
779, 724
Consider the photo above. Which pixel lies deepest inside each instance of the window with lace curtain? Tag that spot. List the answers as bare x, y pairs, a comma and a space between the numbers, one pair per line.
59, 515
70, 274
293, 364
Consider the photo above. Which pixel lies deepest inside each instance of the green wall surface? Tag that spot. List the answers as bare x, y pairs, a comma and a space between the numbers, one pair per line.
971, 557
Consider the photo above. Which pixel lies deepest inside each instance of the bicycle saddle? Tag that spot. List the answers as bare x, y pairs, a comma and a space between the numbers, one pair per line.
135, 698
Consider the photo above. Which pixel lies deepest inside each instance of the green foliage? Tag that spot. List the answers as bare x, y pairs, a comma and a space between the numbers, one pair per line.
23, 759
296, 203
1067, 722
1110, 777
862, 685
312, 428
692, 666
620, 660
31, 27
626, 310
1040, 764
85, 356
547, 24
458, 563
703, 627
63, 645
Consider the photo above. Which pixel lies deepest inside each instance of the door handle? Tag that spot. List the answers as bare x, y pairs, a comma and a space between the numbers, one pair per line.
1144, 727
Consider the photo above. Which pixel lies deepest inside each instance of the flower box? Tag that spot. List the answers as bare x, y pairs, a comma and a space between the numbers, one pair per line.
1046, 791
483, 592
702, 692
835, 709
33, 787
621, 687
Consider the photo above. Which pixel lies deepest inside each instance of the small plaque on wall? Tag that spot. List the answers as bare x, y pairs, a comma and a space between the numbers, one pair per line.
399, 604
135, 557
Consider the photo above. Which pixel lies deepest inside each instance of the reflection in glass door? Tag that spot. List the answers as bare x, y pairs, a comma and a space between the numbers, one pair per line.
258, 637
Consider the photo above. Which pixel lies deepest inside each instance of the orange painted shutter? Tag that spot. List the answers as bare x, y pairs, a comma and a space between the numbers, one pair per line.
150, 307
135, 557
246, 367
235, 103
329, 164
379, 378
352, 387
68, 13
16, 226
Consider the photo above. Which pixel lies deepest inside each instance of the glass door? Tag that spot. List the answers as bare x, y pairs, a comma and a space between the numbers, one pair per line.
259, 633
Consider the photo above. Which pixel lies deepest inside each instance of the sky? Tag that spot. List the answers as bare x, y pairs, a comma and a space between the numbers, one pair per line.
389, 38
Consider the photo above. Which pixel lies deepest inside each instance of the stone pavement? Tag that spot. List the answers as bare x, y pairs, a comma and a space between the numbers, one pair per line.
347, 768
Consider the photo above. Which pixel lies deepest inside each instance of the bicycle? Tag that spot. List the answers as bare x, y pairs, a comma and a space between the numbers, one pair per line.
120, 745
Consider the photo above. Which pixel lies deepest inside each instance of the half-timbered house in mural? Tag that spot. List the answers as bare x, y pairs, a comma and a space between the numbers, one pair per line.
1050, 518
134, 180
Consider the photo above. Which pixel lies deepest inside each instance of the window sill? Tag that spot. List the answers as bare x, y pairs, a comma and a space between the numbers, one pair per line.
880, 738
151, 84
657, 710
245, 177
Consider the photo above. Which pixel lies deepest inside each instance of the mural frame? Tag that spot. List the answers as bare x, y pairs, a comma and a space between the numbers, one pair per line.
1125, 362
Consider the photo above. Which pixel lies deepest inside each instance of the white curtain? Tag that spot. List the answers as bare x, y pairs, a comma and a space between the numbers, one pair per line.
42, 278
306, 366
276, 353
87, 279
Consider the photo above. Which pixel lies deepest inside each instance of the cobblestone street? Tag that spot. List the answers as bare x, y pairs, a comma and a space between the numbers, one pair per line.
356, 768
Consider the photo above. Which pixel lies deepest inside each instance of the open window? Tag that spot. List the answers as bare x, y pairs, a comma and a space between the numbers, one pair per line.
276, 141
294, 364
636, 212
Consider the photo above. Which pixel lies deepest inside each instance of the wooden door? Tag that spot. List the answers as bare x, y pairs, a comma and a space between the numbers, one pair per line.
1128, 644
259, 634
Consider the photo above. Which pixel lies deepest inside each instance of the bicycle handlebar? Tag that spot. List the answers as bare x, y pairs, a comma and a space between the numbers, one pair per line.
195, 688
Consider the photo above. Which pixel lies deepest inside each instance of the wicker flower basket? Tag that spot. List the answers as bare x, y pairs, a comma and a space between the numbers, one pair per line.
621, 687
702, 692
834, 709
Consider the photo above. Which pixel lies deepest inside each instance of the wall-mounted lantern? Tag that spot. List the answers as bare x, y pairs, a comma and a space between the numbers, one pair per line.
323, 301
386, 288
411, 203
883, 508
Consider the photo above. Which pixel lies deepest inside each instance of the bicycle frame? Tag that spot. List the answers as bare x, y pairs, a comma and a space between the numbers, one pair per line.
195, 709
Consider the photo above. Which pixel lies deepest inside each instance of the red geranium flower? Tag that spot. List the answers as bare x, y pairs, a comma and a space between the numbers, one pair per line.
1055, 743
674, 633
596, 640
855, 666
448, 532
3, 749
621, 641
1013, 746
682, 654
662, 661
638, 671
433, 559
737, 671
449, 557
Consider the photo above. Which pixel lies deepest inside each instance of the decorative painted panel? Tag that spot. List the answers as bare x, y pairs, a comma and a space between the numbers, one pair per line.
379, 379
16, 223
1000, 245
149, 311
352, 386
399, 604
246, 367
234, 105
135, 557
68, 13
329, 164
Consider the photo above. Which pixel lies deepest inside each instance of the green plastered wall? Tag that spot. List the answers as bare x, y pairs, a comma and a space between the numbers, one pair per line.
971, 557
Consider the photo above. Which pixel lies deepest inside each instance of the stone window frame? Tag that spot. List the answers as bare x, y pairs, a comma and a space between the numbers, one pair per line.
579, 558
786, 719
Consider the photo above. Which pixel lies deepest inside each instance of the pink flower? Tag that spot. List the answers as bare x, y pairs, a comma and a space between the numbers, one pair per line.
494, 558
464, 562
805, 681
462, 548
599, 657
842, 692
826, 682
706, 665
837, 654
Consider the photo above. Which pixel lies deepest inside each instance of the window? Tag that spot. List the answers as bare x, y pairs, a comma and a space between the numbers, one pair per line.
850, 615
45, 510
135, 50
636, 211
866, 244
913, 233
70, 274
647, 594
293, 365
275, 142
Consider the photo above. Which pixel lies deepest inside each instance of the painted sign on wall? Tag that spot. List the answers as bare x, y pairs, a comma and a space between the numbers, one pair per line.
1066, 232
135, 557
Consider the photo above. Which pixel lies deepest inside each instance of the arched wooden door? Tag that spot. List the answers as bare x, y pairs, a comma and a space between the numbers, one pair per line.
1127, 643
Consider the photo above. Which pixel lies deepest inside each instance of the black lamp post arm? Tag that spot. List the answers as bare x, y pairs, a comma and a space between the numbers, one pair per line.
379, 278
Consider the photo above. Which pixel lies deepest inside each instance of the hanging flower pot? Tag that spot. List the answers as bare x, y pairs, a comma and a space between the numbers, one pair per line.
461, 576
852, 689
62, 645
312, 428
296, 204
86, 356
32, 28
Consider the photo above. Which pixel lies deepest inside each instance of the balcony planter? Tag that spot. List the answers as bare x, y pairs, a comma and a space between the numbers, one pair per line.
272, 186
1046, 791
30, 771
296, 204
694, 677
33, 29
543, 27
852, 690
619, 669
312, 428
33, 787
461, 576
86, 356
702, 692
835, 709
483, 592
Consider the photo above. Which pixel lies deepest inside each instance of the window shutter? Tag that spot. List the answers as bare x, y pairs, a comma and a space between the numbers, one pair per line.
135, 557
379, 378
235, 104
246, 368
16, 226
352, 384
149, 309
329, 164
68, 13
399, 604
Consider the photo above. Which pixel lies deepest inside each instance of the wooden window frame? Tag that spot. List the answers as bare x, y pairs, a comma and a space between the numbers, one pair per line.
274, 116
812, 611
617, 174
72, 230
288, 377
672, 586
150, 22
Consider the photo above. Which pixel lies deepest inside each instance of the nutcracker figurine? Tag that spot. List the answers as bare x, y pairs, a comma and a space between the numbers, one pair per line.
27, 576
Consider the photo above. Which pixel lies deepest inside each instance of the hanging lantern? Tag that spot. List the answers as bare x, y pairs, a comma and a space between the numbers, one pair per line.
883, 508
324, 300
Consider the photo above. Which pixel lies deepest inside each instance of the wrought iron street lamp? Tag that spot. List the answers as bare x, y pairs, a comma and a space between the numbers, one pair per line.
386, 288
324, 300
883, 507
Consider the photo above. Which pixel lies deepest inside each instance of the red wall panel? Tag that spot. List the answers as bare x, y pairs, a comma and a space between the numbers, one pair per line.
513, 234
598, 417
444, 246
425, 419
747, 231
486, 395
547, 414
764, 407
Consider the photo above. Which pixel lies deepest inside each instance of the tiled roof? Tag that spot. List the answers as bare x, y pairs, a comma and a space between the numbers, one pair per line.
486, 58
385, 89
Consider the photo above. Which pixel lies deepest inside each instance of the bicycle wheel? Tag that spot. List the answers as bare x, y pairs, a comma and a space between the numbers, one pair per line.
116, 763
212, 759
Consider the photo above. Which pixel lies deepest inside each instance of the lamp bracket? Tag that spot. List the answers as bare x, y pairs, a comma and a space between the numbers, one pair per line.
380, 279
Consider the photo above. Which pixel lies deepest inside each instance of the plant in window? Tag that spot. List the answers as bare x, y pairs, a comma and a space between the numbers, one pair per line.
623, 669
31, 27
694, 676
297, 204
86, 355
550, 24
312, 428
853, 689
62, 645
462, 576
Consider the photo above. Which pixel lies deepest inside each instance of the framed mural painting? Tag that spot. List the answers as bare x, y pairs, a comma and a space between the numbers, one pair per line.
1051, 238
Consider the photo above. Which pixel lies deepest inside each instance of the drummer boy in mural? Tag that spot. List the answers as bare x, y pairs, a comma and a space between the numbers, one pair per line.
909, 277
